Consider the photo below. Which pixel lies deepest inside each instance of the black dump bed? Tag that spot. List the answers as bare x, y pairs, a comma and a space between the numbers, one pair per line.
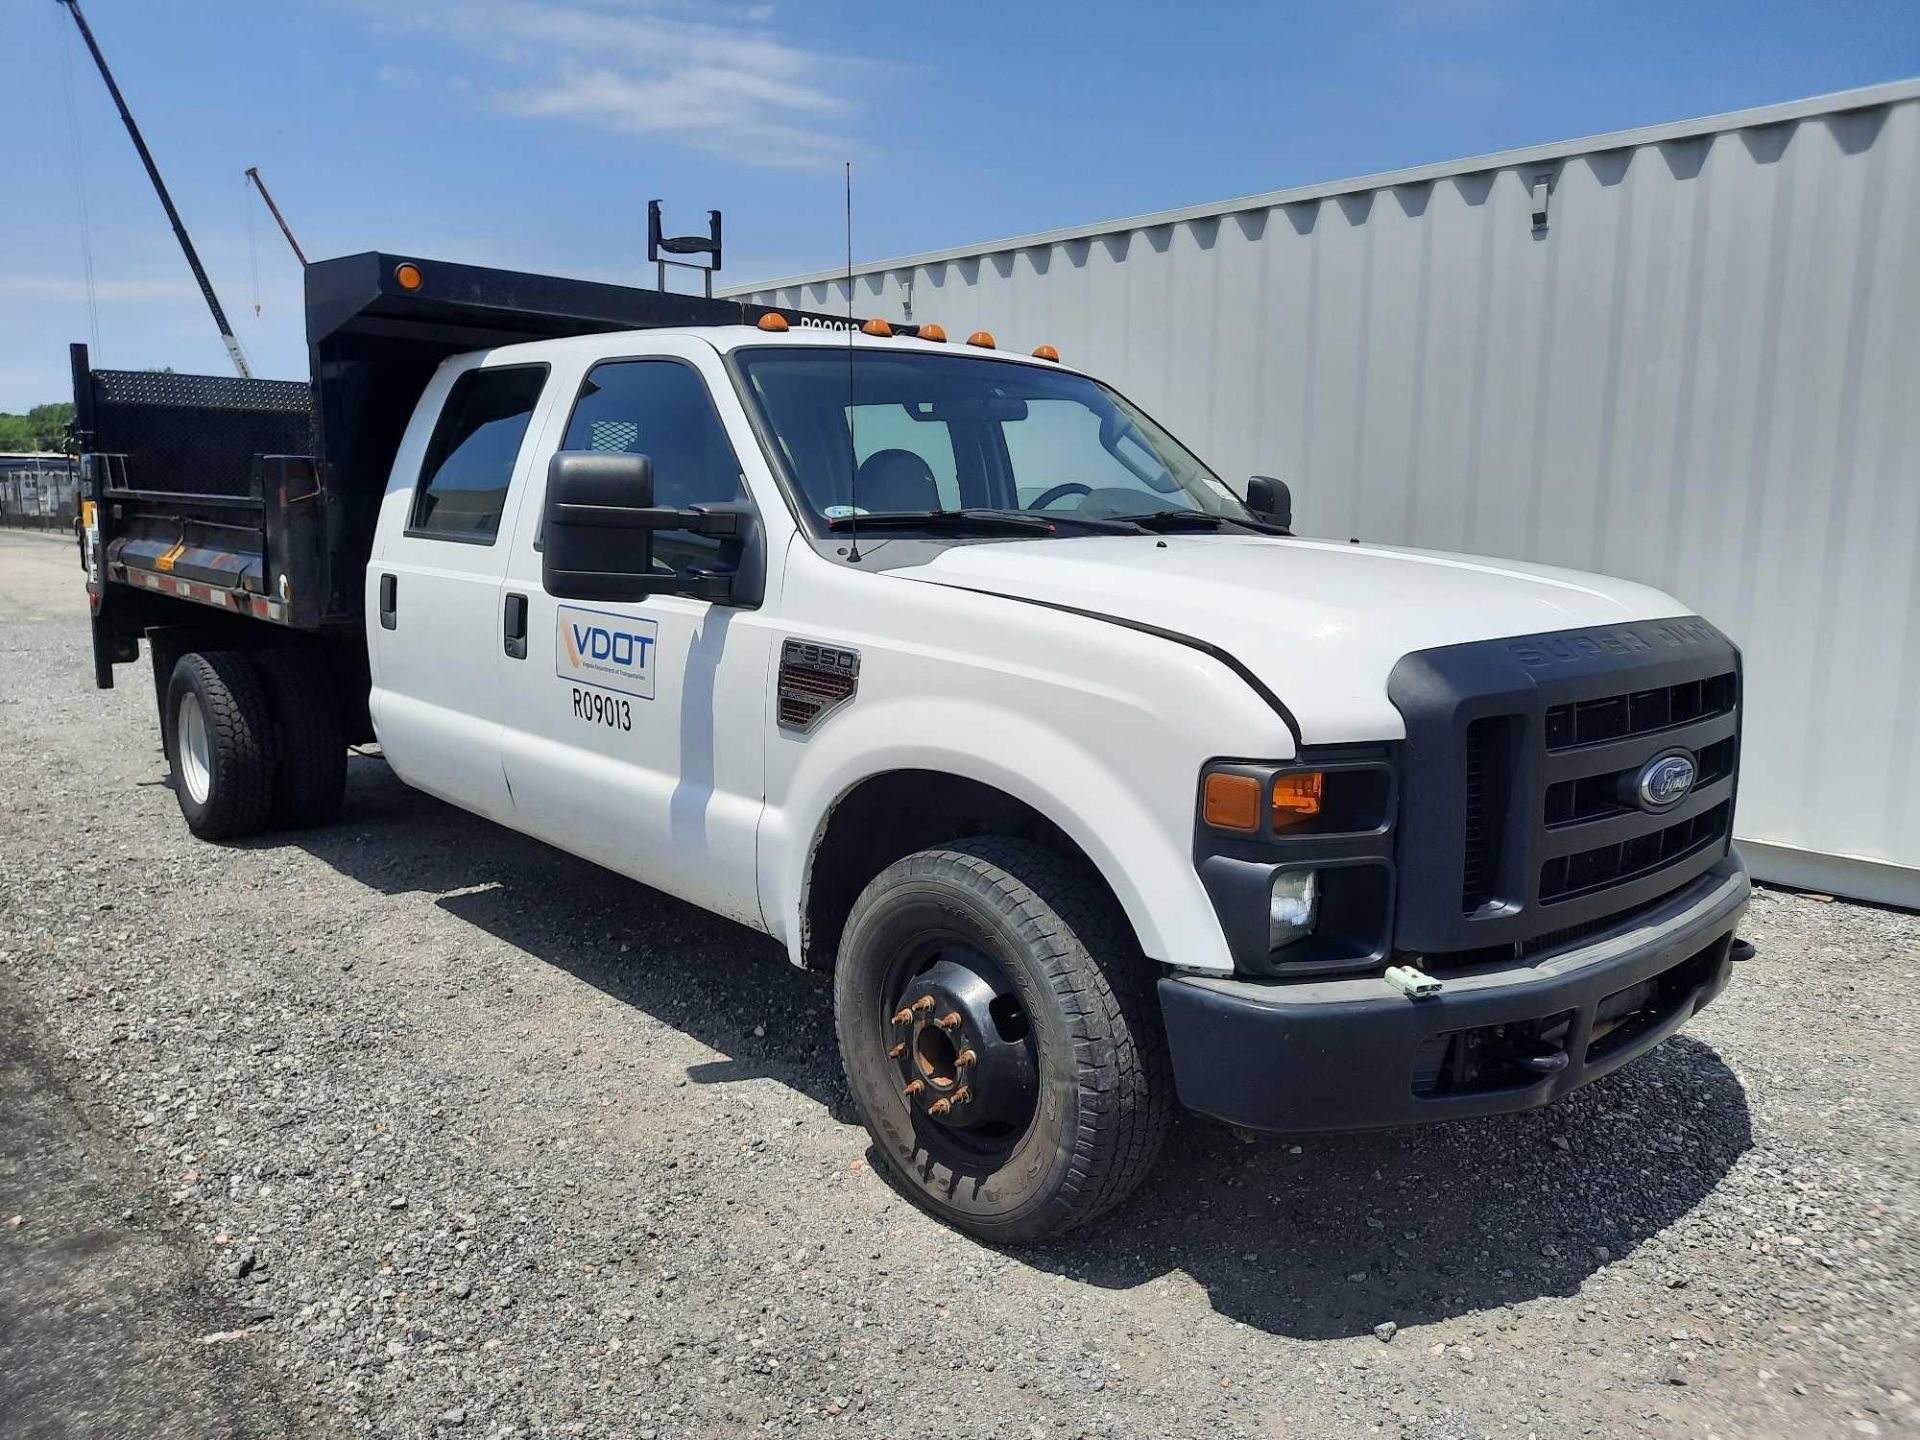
259, 497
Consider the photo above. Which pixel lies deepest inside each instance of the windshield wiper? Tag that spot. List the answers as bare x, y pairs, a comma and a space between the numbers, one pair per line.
1164, 521
1012, 522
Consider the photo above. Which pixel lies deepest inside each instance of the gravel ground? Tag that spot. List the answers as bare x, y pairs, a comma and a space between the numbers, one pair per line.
472, 1139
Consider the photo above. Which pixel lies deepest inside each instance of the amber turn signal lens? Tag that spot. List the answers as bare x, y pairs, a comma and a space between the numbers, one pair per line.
876, 327
1046, 352
408, 276
1296, 796
773, 324
932, 332
982, 338
1232, 802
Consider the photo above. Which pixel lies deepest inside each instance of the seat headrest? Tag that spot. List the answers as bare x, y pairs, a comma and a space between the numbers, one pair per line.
896, 480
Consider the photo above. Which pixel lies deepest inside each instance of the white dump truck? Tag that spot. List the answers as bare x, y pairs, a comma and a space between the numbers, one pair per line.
1095, 787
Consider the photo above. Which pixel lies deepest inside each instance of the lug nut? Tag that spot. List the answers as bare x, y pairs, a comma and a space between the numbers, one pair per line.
925, 1002
949, 1021
960, 1096
964, 1059
903, 1017
898, 1050
914, 1087
940, 1106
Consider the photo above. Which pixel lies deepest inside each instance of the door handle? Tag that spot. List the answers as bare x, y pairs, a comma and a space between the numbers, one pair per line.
517, 626
389, 602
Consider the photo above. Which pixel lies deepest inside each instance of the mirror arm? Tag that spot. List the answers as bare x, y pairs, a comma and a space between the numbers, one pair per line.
697, 518
591, 585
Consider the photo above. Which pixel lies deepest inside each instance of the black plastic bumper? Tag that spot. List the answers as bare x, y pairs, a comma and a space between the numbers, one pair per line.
1355, 1054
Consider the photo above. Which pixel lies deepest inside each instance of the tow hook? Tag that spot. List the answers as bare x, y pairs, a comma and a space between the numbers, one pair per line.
1552, 1063
1412, 983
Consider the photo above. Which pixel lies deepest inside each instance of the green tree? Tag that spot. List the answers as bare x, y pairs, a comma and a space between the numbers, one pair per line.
44, 427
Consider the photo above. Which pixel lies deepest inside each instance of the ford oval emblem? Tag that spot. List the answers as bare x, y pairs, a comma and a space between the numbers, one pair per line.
1665, 781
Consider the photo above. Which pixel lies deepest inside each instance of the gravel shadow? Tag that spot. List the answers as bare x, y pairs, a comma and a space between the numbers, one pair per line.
1315, 1238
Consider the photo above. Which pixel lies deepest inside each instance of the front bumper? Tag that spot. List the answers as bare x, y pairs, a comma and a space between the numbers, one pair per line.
1356, 1054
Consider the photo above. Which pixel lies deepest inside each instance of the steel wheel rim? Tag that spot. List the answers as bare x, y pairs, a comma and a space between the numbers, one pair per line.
193, 751
1006, 1065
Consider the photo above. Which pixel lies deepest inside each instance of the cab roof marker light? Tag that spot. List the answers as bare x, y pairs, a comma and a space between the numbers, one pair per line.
773, 324
982, 338
1046, 352
934, 333
877, 327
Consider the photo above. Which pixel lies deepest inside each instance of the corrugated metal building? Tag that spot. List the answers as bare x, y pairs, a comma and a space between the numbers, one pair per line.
1688, 354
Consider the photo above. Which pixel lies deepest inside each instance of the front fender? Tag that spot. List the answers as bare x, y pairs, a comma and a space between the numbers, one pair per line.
1136, 829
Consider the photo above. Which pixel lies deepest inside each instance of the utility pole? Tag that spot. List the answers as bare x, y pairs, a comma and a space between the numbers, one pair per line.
153, 173
253, 174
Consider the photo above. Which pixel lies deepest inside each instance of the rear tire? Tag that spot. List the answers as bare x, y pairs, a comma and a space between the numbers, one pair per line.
219, 738
310, 748
1070, 1137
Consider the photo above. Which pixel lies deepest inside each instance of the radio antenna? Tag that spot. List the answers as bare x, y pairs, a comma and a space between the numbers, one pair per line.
853, 453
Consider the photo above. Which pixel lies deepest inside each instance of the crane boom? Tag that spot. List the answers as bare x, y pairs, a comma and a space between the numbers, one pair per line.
227, 336
253, 174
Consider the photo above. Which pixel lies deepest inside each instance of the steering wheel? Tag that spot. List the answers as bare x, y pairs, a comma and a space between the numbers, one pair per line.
1069, 487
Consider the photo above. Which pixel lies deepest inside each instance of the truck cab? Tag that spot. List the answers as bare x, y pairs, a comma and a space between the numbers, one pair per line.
1093, 786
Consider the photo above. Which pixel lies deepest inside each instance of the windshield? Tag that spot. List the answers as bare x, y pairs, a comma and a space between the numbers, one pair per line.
929, 433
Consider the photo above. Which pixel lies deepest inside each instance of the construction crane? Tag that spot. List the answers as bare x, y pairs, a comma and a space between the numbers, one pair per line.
253, 174
227, 336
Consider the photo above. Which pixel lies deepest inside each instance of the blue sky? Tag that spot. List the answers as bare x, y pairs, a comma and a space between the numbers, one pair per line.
531, 133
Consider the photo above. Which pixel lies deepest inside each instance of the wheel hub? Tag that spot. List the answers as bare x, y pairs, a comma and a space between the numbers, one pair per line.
959, 1038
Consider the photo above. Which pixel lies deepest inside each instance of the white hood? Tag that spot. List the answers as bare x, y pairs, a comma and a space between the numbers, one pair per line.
1321, 623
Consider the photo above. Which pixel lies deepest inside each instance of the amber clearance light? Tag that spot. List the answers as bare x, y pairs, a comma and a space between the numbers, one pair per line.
407, 276
1296, 796
1232, 802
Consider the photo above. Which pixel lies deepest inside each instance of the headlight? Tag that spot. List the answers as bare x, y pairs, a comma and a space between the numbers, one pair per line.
1293, 907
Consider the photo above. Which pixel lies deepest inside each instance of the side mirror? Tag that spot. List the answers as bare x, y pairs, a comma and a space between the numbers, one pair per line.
1271, 501
597, 540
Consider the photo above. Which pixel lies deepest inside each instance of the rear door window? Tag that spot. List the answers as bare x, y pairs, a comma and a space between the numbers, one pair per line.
470, 460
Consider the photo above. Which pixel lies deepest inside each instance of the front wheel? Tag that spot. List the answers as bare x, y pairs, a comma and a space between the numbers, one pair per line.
1001, 1038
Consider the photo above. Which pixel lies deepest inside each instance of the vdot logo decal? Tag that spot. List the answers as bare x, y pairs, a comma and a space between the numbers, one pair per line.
614, 652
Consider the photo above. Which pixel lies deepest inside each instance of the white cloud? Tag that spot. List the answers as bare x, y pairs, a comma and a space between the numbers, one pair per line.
724, 83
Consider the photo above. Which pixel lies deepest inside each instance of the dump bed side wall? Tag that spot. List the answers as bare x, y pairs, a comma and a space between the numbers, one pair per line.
195, 434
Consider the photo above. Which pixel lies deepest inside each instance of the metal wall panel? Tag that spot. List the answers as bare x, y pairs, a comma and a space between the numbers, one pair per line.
1702, 373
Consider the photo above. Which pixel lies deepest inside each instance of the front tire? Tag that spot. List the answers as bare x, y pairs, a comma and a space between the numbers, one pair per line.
219, 737
1001, 1038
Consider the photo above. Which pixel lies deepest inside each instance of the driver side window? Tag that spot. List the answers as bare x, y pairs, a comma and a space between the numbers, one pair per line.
1059, 440
661, 409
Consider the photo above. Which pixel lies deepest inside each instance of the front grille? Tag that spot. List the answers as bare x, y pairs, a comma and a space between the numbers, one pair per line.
1644, 712
1486, 791
1594, 797
1523, 827
1606, 865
